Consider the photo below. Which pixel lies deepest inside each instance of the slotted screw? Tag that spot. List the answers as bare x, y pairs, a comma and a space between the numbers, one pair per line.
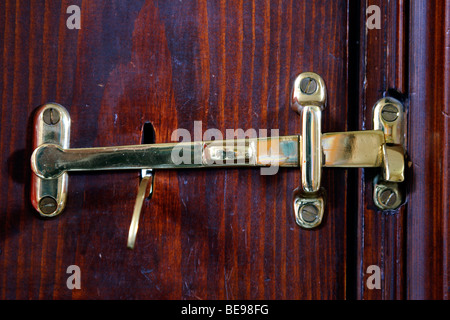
51, 116
308, 85
388, 198
309, 213
389, 113
48, 205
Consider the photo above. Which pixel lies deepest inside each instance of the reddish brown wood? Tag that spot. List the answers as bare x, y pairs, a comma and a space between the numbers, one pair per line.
429, 139
411, 245
216, 234
383, 67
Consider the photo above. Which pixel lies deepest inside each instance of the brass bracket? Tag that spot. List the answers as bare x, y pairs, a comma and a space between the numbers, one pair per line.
51, 126
389, 117
383, 147
387, 140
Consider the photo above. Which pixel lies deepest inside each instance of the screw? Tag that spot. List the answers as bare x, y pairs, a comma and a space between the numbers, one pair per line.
308, 85
48, 205
389, 113
388, 198
51, 116
309, 213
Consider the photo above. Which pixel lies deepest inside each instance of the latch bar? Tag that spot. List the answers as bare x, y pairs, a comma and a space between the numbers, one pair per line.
340, 149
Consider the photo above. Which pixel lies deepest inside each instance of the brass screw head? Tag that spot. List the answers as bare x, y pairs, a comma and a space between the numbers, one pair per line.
387, 195
308, 208
308, 86
51, 116
390, 113
48, 205
309, 213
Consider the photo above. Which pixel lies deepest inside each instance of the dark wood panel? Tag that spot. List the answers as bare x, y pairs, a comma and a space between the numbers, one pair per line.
428, 207
212, 234
383, 72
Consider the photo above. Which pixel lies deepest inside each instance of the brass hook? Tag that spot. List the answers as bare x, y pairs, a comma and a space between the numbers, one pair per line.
147, 179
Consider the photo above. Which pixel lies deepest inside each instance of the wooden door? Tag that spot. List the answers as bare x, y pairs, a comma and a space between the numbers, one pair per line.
222, 233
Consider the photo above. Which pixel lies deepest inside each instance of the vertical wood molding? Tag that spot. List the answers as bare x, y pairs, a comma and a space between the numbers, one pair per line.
383, 67
428, 204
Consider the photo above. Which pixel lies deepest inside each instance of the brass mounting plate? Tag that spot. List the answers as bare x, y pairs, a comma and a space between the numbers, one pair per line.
389, 116
51, 125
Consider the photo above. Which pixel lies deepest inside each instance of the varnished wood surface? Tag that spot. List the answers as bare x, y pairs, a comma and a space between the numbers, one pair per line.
383, 72
409, 59
216, 234
429, 148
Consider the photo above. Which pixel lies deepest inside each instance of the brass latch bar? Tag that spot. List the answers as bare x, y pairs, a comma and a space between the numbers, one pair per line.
50, 161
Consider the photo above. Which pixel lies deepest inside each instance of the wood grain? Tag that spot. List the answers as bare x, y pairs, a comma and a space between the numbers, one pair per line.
215, 234
410, 56
382, 72
429, 139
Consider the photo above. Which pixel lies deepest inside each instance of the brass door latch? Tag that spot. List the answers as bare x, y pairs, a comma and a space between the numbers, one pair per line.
383, 147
